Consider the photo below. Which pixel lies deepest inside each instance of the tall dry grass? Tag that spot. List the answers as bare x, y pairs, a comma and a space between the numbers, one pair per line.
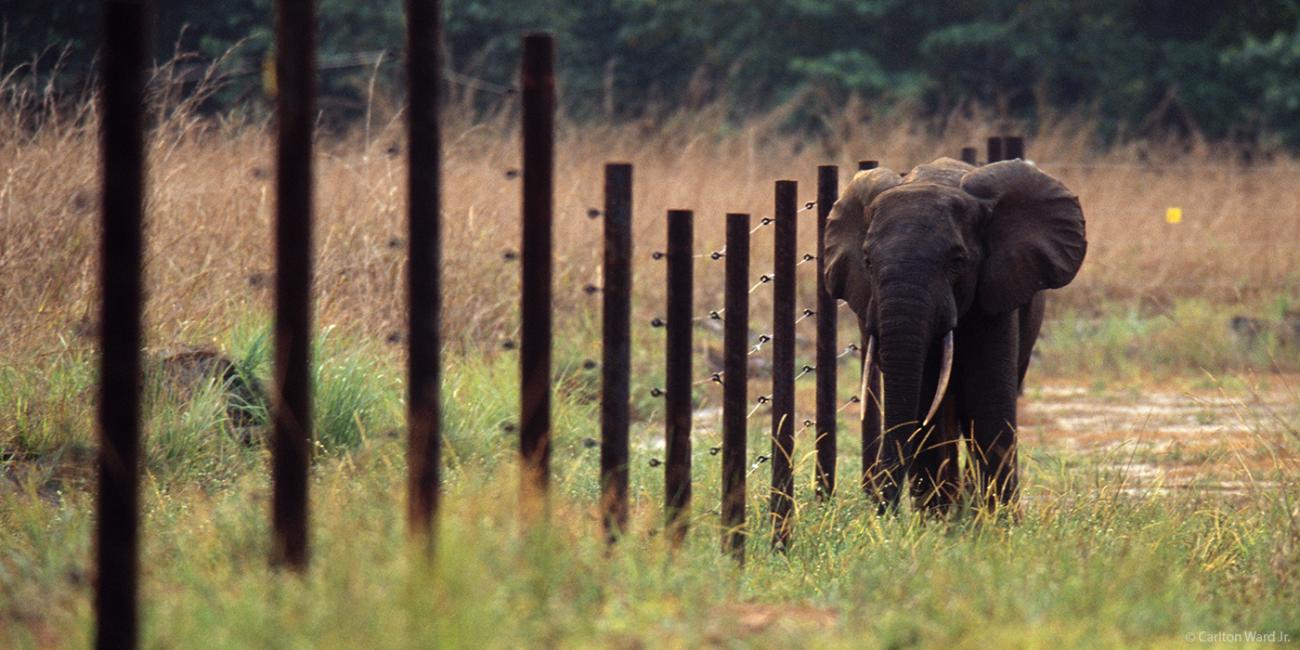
211, 209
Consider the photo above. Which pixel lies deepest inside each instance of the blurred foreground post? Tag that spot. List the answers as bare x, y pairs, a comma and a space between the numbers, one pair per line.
970, 155
825, 425
122, 160
867, 165
735, 379
783, 294
677, 389
538, 83
295, 115
424, 300
617, 349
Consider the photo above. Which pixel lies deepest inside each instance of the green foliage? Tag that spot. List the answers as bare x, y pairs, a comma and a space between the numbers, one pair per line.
1213, 69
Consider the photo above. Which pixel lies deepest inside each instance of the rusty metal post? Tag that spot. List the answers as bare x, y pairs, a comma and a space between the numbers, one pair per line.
827, 193
295, 116
735, 380
617, 362
1013, 147
122, 161
677, 389
783, 315
995, 150
424, 300
970, 155
866, 165
538, 84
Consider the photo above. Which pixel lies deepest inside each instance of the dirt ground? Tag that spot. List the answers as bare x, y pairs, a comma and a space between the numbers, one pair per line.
1226, 437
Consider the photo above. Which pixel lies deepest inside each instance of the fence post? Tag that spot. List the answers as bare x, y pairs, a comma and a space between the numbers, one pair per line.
538, 83
424, 300
617, 349
827, 193
970, 155
122, 160
783, 308
677, 389
995, 150
866, 165
1013, 147
735, 419
296, 114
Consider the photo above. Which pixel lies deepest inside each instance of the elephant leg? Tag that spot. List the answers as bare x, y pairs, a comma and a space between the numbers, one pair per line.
988, 354
1031, 323
936, 477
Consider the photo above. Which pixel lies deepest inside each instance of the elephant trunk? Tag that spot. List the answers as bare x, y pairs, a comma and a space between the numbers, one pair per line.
904, 342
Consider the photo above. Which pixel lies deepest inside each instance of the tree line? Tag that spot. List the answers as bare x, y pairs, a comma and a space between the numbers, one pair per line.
1213, 69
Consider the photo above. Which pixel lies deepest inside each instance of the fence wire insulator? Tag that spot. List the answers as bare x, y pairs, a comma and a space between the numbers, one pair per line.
510, 256
509, 344
808, 206
507, 427
656, 322
717, 255
852, 347
713, 451
757, 462
763, 399
805, 370
807, 313
655, 462
717, 377
657, 255
512, 173
766, 277
715, 314
766, 220
593, 213
808, 423
807, 257
589, 364
852, 400
590, 443
591, 289
658, 392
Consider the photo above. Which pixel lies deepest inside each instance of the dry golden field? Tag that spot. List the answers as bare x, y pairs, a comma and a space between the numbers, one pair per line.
211, 205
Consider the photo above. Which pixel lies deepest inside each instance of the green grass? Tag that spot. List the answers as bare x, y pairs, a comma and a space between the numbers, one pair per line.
1088, 564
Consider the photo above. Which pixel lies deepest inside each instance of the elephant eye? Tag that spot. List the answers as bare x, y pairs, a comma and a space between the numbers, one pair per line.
957, 263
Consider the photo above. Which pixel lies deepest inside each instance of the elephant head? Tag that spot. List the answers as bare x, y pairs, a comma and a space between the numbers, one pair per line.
912, 255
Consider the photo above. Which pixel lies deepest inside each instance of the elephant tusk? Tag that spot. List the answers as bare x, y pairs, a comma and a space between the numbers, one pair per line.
866, 374
945, 372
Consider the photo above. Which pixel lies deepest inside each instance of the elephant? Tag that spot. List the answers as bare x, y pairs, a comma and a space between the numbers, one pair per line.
946, 268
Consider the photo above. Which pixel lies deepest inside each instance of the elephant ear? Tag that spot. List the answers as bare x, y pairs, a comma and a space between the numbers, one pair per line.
846, 228
1034, 233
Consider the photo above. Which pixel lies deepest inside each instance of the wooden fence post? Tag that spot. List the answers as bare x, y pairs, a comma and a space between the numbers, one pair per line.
538, 82
827, 193
677, 390
295, 117
122, 163
970, 155
424, 299
735, 419
617, 349
783, 317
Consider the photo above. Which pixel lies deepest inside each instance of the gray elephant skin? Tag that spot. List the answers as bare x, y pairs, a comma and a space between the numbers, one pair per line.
946, 268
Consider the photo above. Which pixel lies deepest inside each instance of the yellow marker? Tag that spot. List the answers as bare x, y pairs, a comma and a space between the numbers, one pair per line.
1173, 215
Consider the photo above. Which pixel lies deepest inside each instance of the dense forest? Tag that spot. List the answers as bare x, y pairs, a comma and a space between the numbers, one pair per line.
1205, 68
